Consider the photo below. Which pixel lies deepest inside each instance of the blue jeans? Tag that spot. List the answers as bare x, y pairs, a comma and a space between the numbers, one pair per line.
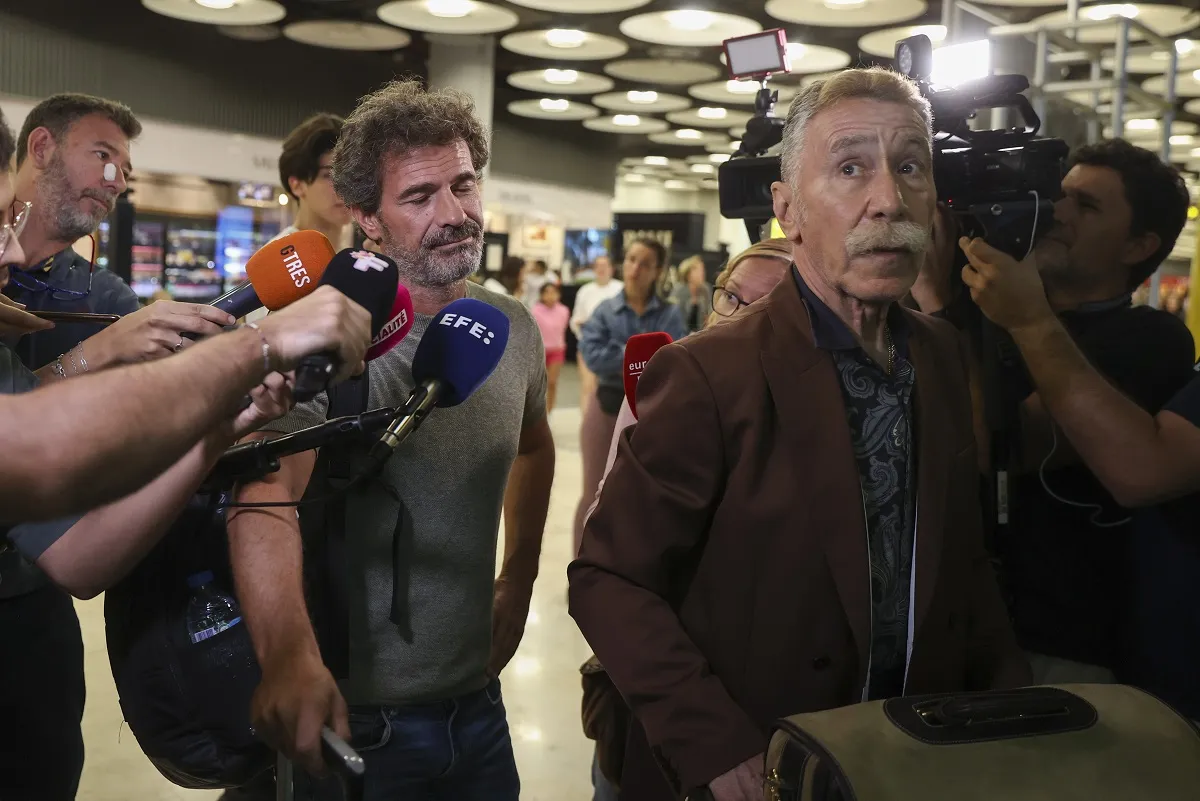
602, 788
454, 750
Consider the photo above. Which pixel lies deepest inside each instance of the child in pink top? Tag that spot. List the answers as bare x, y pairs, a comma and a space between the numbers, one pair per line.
552, 318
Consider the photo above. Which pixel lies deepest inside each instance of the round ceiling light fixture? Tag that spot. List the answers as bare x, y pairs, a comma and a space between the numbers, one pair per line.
449, 9
565, 37
1128, 10
656, 161
688, 133
690, 19
550, 104
220, 12
718, 158
840, 5
562, 77
642, 98
627, 120
742, 87
216, 5
712, 113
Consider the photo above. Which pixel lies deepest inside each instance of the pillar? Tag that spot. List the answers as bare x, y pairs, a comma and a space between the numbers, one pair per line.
466, 63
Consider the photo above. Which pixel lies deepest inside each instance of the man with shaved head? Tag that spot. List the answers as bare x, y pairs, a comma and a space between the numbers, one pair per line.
794, 523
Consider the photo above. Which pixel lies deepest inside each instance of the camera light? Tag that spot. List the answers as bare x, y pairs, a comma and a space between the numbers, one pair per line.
635, 96
561, 77
548, 104
719, 158
954, 65
450, 9
656, 161
688, 133
741, 87
565, 37
627, 120
216, 5
690, 19
711, 113
1141, 125
1128, 10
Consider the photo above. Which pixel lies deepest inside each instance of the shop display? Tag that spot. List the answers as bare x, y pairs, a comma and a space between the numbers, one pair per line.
191, 271
241, 230
146, 271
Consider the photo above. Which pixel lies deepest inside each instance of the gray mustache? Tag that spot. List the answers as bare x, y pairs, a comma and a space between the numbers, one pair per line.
906, 235
445, 236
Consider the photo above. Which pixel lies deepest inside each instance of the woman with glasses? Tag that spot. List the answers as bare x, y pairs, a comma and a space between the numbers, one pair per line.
748, 277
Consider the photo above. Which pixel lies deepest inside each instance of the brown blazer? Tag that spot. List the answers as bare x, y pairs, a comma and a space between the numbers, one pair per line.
723, 579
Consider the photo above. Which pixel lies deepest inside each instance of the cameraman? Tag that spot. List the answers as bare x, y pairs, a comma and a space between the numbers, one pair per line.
1065, 548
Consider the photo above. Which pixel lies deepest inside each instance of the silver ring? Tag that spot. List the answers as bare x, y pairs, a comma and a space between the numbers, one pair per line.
179, 347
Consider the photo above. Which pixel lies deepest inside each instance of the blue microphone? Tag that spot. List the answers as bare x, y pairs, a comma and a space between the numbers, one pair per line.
459, 351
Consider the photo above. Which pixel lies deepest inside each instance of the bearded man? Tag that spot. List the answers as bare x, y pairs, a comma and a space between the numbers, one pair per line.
430, 626
794, 522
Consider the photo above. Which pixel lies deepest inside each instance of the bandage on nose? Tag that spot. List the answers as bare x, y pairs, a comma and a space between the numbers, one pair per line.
110, 171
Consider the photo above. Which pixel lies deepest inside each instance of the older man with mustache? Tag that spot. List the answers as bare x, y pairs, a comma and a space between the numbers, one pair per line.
794, 522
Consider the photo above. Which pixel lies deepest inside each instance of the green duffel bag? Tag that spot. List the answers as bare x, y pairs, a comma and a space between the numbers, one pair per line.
1070, 742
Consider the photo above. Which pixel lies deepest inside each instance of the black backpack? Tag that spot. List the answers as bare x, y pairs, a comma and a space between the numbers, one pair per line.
188, 704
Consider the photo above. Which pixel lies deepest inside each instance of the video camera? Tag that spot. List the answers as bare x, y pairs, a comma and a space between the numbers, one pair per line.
1000, 184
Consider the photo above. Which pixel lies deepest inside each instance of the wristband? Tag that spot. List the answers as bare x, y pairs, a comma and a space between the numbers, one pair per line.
266, 348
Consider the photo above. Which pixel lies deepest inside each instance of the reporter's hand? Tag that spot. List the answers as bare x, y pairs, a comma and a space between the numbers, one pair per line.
933, 289
743, 783
1008, 291
271, 400
154, 332
325, 320
15, 321
297, 696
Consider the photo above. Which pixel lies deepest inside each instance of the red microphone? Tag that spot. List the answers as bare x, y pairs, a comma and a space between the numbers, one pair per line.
638, 351
397, 326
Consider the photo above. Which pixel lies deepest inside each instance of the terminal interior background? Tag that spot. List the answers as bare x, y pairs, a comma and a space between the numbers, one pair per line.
609, 119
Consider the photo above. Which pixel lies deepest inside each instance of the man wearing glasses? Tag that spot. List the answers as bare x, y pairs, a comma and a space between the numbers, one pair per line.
72, 164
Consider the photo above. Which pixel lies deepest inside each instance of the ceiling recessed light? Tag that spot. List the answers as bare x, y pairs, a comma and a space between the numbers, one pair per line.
562, 77
1182, 139
719, 158
656, 161
688, 133
548, 104
707, 169
712, 113
216, 5
565, 37
450, 9
628, 120
1142, 124
635, 96
1195, 152
1184, 46
1112, 10
676, 184
839, 5
690, 19
741, 87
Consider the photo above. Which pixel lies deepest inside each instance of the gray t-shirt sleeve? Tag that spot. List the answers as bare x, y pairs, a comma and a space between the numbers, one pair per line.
304, 415
534, 351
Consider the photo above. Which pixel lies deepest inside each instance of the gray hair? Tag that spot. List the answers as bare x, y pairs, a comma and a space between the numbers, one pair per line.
874, 83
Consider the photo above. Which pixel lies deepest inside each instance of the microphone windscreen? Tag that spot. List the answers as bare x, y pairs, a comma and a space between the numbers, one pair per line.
461, 348
369, 279
288, 268
638, 350
397, 326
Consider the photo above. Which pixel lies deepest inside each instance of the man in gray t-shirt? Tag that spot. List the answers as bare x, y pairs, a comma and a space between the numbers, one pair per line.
430, 628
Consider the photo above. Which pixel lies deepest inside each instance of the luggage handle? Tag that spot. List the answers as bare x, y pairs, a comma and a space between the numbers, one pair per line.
990, 709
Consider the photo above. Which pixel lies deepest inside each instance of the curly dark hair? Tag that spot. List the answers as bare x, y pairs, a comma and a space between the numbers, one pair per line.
1157, 196
8, 145
393, 121
304, 147
58, 113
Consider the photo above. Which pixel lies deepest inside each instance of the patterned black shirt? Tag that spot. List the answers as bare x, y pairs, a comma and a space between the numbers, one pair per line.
879, 411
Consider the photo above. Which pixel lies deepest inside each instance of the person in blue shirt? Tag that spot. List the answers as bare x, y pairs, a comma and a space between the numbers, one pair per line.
638, 309
1149, 462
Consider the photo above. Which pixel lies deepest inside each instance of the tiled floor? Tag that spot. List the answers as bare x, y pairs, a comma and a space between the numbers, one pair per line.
541, 686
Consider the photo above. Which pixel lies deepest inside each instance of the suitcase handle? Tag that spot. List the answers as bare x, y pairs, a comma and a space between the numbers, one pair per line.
978, 711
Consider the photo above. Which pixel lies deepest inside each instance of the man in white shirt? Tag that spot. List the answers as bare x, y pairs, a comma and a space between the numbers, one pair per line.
586, 300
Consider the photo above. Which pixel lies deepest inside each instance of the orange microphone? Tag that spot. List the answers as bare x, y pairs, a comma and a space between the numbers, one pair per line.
281, 272
638, 350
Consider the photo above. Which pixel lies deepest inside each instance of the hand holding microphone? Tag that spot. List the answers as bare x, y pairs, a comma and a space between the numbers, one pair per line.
325, 322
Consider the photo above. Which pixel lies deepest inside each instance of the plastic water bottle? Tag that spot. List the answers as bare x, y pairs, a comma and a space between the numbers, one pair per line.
209, 611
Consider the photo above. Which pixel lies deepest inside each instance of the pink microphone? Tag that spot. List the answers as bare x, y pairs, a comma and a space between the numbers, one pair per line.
397, 326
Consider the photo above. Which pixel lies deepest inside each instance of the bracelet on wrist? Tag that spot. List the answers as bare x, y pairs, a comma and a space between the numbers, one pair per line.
266, 348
